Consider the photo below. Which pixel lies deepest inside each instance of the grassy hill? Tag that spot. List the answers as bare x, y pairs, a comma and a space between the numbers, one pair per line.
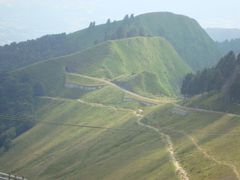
114, 138
191, 42
196, 48
60, 147
51, 151
149, 66
206, 143
185, 34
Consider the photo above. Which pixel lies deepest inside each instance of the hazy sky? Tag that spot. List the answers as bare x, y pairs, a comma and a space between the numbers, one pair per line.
38, 17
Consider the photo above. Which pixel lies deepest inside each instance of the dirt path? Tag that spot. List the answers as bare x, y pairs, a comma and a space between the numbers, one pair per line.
89, 103
179, 169
137, 96
210, 157
207, 111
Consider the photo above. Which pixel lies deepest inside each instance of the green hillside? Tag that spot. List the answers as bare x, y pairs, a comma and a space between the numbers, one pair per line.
217, 87
205, 142
185, 34
191, 42
71, 140
149, 66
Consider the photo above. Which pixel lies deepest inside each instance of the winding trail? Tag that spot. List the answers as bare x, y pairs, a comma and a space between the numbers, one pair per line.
89, 103
206, 110
137, 96
179, 169
210, 157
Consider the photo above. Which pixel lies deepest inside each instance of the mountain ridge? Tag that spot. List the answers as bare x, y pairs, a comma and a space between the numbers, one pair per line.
143, 56
199, 50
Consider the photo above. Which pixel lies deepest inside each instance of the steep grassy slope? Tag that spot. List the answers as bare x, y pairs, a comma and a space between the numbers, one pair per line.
186, 36
149, 66
54, 151
213, 101
206, 143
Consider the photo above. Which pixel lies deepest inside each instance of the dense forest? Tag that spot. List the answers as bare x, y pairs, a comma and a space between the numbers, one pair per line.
22, 54
17, 94
225, 77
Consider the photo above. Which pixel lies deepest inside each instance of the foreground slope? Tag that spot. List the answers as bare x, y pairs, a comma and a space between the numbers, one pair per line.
71, 140
60, 147
101, 133
145, 65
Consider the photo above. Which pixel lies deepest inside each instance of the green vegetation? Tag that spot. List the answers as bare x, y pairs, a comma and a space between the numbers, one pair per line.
17, 96
152, 59
216, 135
74, 79
191, 42
186, 36
224, 78
58, 151
58, 147
100, 111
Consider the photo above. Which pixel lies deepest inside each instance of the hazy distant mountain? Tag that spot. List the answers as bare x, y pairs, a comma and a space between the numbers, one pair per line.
222, 34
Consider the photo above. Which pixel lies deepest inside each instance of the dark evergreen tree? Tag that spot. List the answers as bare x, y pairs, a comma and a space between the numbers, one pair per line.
132, 32
186, 84
17, 95
132, 17
142, 32
126, 18
227, 64
235, 90
38, 89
